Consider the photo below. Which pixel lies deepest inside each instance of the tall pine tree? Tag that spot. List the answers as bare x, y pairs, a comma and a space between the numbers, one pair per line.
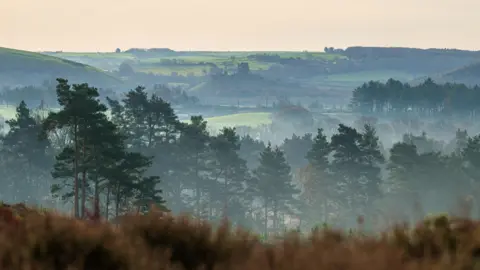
275, 186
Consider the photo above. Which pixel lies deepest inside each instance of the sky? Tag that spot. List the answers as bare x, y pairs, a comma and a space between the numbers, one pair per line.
222, 25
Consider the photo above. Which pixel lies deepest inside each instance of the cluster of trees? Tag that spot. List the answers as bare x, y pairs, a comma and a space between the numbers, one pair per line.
141, 154
42, 96
174, 95
45, 95
427, 98
86, 150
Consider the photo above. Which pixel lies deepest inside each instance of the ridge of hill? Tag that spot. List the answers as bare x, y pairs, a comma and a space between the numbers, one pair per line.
25, 67
469, 74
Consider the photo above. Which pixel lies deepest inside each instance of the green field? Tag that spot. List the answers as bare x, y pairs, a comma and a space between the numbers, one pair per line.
199, 63
7, 112
240, 119
354, 79
194, 62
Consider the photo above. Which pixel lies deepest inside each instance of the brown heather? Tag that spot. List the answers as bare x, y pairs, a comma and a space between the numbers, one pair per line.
51, 241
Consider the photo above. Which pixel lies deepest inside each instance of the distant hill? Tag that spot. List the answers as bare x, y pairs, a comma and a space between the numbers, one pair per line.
19, 67
419, 62
469, 74
247, 85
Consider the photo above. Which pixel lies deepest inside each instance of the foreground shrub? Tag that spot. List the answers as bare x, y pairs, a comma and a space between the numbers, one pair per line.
192, 244
153, 242
56, 242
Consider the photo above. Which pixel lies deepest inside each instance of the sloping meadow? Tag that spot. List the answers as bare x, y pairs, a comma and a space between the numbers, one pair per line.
46, 240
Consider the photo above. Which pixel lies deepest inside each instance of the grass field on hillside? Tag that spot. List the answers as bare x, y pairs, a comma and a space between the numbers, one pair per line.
354, 79
191, 62
17, 62
20, 55
197, 64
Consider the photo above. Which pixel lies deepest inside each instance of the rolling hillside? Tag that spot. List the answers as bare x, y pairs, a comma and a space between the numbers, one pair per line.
195, 63
469, 74
24, 67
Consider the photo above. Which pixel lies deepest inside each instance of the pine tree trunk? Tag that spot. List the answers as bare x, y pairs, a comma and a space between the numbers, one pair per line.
96, 191
75, 169
107, 203
325, 211
266, 218
117, 201
275, 216
84, 183
197, 187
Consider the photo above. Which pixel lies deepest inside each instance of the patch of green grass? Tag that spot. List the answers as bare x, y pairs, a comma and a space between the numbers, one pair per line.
254, 119
156, 63
283, 54
7, 112
241, 119
193, 64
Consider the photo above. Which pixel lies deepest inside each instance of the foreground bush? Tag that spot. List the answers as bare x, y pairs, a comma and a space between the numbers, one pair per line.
51, 241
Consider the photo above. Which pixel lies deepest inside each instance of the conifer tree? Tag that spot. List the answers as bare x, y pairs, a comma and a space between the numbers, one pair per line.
230, 171
320, 189
28, 155
275, 186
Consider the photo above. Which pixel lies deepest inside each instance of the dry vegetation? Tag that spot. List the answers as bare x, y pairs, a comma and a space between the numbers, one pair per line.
46, 240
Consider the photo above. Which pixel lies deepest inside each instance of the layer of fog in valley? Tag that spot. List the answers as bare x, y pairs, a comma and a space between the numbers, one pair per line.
271, 141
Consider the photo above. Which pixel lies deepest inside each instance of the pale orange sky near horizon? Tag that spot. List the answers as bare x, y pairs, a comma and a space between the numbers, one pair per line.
104, 25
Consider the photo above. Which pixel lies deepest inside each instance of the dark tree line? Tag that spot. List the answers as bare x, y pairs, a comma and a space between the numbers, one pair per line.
45, 96
427, 98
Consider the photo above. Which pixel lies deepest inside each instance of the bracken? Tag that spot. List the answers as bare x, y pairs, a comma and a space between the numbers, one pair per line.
40, 240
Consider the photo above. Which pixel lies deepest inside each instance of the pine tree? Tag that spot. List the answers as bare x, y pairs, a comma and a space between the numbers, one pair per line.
296, 148
250, 150
64, 169
346, 167
195, 155
371, 160
28, 155
80, 108
471, 156
152, 129
99, 152
230, 171
461, 141
402, 166
275, 186
320, 189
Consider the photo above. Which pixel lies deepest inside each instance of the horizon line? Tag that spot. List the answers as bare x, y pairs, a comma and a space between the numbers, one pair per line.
236, 50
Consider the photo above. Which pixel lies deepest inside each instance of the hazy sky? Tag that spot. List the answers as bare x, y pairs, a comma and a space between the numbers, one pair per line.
103, 25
